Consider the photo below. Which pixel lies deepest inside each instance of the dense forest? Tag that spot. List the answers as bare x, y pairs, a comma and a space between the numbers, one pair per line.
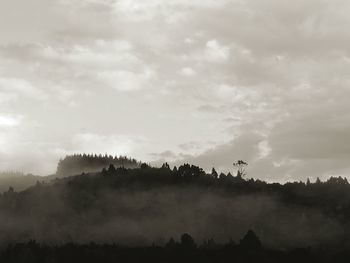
142, 207
79, 163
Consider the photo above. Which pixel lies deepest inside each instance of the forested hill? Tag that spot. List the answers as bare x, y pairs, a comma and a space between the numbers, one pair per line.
17, 180
145, 205
70, 165
87, 163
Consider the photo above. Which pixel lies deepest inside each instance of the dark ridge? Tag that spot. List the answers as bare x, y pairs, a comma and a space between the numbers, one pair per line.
144, 205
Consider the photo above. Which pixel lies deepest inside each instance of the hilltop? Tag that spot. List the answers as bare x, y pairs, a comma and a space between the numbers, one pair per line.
88, 163
70, 165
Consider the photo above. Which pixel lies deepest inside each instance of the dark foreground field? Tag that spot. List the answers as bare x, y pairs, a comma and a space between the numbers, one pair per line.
172, 252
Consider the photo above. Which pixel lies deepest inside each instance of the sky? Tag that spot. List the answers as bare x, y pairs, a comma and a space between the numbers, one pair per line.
201, 81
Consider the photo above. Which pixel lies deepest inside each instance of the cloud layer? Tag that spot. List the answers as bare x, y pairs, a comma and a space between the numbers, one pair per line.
201, 81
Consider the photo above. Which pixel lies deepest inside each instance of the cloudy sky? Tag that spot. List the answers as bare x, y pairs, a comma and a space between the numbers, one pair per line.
201, 81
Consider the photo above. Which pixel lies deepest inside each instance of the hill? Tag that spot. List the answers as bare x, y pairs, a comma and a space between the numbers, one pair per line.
145, 205
18, 181
69, 165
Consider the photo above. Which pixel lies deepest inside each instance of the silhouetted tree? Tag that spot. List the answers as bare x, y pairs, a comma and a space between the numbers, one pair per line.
250, 240
11, 190
187, 242
111, 169
240, 168
175, 170
170, 244
166, 166
104, 171
214, 173
209, 244
144, 166
222, 177
308, 182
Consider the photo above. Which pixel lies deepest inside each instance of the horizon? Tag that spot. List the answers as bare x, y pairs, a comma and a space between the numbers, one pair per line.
157, 165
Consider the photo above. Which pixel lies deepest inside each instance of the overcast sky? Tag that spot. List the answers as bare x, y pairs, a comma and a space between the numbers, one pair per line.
201, 81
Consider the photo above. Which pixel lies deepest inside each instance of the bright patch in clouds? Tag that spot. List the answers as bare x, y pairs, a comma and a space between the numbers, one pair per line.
6, 121
264, 149
110, 144
216, 52
188, 71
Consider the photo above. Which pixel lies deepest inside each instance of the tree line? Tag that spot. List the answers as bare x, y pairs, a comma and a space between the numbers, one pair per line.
78, 163
248, 249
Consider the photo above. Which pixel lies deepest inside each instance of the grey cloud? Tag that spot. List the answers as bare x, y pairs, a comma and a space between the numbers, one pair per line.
222, 156
266, 81
166, 154
312, 144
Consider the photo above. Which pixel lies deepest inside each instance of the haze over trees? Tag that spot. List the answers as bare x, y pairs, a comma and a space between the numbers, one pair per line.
87, 163
17, 180
138, 207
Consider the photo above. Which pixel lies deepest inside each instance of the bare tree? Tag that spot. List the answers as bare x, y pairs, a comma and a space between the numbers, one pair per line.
240, 167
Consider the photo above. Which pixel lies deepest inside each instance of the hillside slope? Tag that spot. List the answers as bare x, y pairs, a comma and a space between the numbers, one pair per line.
145, 205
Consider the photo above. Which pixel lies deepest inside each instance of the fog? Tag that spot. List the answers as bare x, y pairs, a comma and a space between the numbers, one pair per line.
57, 214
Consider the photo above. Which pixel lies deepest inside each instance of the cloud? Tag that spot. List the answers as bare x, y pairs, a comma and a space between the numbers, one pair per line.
150, 9
188, 71
8, 121
33, 154
6, 97
110, 144
159, 158
15, 87
215, 52
127, 80
100, 53
266, 81
298, 146
244, 147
